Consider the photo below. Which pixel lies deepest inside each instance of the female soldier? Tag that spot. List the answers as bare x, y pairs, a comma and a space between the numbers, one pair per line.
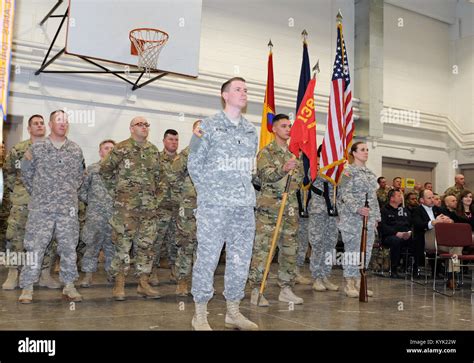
357, 182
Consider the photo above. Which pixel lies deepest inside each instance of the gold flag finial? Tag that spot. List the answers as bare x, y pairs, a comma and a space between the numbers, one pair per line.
339, 16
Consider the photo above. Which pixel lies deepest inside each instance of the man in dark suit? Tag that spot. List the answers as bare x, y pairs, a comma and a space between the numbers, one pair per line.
396, 228
425, 217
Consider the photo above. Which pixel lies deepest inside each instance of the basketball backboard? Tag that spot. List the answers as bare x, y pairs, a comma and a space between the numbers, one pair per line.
100, 29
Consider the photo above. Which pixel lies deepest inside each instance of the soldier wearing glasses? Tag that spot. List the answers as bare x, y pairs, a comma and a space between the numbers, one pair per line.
130, 173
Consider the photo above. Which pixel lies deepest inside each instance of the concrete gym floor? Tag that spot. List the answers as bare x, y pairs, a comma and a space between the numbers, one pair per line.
397, 305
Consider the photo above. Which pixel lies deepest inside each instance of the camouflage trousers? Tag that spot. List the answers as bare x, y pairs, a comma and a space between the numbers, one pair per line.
97, 235
4, 212
323, 235
303, 241
351, 229
287, 245
40, 229
133, 229
185, 242
234, 226
16, 234
166, 236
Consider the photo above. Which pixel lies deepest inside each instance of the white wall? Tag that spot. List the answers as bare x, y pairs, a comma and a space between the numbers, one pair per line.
233, 42
417, 76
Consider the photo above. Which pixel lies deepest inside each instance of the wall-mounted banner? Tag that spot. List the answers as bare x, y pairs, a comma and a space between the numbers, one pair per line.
7, 9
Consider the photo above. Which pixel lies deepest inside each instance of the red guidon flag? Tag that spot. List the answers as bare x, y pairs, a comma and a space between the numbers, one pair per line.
303, 131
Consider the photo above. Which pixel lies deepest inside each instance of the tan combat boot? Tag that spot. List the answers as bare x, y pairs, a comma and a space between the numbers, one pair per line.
349, 289
173, 274
254, 298
287, 295
182, 287
12, 279
318, 285
235, 320
300, 279
70, 293
118, 291
154, 281
144, 289
199, 321
87, 280
370, 293
26, 296
46, 280
329, 285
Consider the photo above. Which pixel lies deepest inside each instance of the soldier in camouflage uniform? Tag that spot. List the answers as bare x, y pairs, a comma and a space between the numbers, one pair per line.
19, 210
5, 204
274, 162
220, 164
382, 191
52, 171
131, 174
323, 231
97, 232
304, 196
357, 181
457, 188
168, 205
185, 221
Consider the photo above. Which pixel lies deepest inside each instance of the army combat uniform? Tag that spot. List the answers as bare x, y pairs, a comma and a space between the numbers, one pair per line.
454, 190
52, 177
185, 221
130, 172
19, 210
270, 161
97, 232
168, 206
382, 197
323, 232
356, 182
220, 164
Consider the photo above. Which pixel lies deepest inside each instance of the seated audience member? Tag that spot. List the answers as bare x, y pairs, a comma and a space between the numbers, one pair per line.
396, 228
450, 208
458, 186
465, 209
424, 218
428, 185
411, 201
436, 199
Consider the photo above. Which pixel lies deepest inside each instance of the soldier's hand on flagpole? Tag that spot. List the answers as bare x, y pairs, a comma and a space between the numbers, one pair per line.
290, 165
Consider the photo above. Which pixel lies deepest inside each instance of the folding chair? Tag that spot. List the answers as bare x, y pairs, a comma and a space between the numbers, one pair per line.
452, 235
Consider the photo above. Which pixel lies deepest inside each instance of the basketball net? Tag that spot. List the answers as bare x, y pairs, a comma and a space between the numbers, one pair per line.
147, 44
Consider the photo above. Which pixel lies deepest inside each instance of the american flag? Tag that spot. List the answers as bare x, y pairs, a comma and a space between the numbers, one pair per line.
340, 124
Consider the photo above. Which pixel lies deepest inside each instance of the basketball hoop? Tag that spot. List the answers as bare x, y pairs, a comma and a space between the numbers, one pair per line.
147, 44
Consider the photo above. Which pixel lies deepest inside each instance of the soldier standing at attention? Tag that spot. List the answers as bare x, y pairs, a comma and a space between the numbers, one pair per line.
5, 204
458, 186
322, 231
131, 172
19, 210
185, 221
168, 204
97, 232
274, 162
357, 181
52, 172
220, 164
382, 191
